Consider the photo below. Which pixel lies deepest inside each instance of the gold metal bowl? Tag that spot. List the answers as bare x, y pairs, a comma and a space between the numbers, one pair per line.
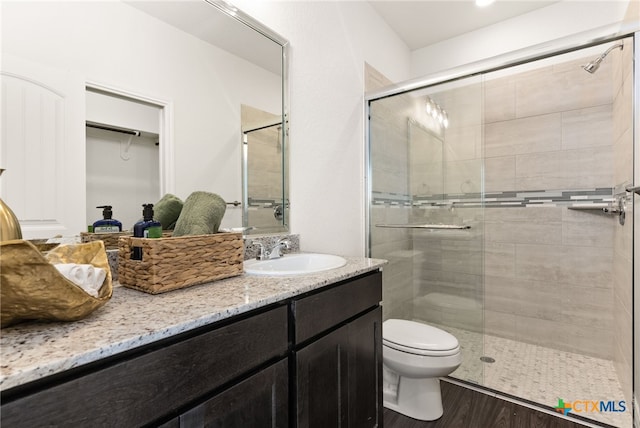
31, 288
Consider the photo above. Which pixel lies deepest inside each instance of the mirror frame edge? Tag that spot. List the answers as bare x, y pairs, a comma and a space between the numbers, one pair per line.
248, 20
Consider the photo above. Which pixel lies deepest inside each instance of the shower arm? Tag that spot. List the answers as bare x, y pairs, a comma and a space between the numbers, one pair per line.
593, 66
619, 45
601, 58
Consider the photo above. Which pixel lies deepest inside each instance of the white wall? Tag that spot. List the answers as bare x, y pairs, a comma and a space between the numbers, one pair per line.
113, 44
330, 41
558, 20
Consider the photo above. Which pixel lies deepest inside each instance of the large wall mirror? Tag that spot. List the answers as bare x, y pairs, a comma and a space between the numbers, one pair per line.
119, 102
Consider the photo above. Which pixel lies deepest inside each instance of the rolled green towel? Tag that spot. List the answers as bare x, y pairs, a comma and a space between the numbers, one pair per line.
167, 210
201, 214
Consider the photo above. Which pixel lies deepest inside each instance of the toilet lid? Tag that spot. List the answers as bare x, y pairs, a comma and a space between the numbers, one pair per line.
418, 338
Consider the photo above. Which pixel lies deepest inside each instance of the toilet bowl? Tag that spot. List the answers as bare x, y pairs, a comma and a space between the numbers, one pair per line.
414, 356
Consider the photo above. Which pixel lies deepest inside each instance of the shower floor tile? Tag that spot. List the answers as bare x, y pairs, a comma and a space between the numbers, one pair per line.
539, 374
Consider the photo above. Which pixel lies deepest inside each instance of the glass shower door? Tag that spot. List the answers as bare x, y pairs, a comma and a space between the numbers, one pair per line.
426, 211
498, 201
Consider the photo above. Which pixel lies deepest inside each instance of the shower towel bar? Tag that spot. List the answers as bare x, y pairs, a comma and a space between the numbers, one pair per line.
424, 226
618, 208
609, 209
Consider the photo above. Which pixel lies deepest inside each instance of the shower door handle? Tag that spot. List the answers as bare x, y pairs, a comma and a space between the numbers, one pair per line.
635, 189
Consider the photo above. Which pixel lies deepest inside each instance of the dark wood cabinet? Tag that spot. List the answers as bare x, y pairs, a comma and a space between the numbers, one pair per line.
151, 384
322, 382
262, 400
339, 373
310, 361
365, 370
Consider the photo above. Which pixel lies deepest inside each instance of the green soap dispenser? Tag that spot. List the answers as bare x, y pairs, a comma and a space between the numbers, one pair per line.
107, 224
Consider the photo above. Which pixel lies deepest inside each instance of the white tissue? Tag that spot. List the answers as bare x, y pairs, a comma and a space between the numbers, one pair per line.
88, 277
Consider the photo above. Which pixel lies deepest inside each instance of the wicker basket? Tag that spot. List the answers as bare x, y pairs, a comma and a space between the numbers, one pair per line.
110, 239
172, 263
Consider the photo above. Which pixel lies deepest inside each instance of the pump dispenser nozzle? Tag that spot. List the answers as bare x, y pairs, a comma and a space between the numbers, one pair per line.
107, 224
106, 212
147, 212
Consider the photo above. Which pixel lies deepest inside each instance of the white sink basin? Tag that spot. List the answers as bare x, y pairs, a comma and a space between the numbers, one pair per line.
294, 264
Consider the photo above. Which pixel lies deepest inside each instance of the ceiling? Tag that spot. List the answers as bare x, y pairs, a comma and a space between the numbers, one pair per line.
421, 23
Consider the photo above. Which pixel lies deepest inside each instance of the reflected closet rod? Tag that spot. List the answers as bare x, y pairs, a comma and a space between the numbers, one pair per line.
113, 128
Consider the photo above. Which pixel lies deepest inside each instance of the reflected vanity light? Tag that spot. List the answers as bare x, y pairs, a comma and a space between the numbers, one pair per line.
437, 112
483, 3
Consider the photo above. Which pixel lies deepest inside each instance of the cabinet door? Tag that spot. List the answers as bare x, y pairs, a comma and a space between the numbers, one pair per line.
365, 370
322, 382
259, 401
339, 376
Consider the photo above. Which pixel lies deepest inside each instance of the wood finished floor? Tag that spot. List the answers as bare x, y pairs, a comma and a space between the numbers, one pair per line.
465, 408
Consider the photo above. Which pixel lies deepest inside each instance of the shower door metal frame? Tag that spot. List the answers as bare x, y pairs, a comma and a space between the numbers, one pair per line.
635, 294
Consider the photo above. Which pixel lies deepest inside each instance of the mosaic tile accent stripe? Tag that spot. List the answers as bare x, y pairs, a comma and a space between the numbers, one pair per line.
602, 195
392, 199
264, 203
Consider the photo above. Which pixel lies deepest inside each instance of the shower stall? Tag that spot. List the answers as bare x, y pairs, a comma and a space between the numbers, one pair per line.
503, 199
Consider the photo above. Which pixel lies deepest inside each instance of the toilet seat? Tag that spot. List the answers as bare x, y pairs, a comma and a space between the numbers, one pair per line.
417, 338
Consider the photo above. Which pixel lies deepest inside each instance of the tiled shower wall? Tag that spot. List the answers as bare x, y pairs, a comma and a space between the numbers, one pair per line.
552, 275
548, 269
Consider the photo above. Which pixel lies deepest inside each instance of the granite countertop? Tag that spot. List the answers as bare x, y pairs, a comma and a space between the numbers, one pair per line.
34, 350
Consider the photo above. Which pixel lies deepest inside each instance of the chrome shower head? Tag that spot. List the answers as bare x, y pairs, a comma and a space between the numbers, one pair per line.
593, 66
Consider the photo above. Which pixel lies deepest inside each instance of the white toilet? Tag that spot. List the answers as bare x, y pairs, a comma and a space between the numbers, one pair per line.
414, 356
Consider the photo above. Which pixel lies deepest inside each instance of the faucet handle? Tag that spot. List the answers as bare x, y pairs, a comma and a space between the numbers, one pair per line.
284, 242
262, 253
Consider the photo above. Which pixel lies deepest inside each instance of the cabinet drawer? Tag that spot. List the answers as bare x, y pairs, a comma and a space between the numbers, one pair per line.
141, 389
328, 308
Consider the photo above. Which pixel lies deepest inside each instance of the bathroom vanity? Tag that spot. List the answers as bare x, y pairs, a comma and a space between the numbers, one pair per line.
247, 351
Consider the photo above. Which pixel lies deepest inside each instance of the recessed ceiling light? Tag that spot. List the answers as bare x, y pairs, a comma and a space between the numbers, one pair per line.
483, 3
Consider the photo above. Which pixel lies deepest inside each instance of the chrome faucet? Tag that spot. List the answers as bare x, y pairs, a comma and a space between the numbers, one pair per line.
273, 252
